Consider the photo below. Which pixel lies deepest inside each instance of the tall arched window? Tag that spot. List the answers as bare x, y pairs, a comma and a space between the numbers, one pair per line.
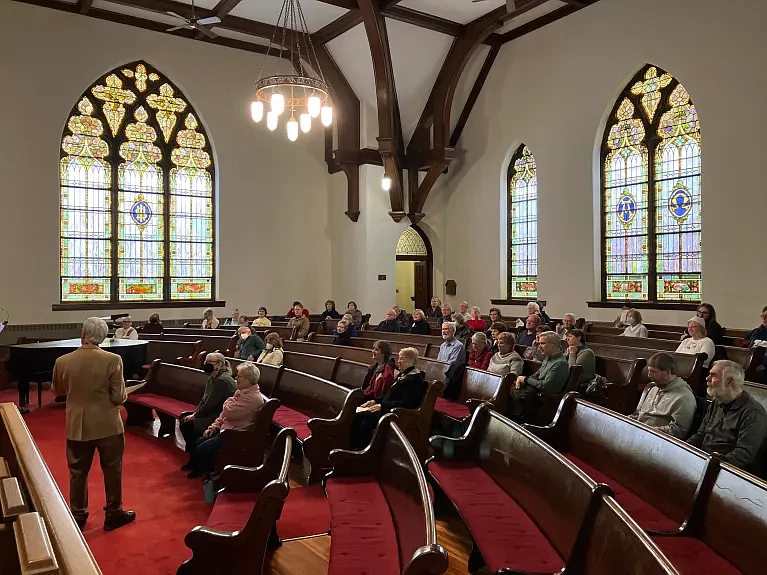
523, 226
137, 174
651, 193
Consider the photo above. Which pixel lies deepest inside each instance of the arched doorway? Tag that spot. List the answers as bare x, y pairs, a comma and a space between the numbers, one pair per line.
414, 269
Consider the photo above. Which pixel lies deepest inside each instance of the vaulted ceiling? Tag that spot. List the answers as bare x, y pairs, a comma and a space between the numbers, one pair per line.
419, 63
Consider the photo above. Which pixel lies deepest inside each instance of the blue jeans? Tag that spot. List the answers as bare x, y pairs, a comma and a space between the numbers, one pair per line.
205, 454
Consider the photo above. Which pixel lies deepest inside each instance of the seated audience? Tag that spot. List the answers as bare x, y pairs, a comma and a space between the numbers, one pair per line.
355, 313
544, 316
330, 311
390, 324
567, 323
496, 328
480, 354
262, 320
463, 309
127, 331
667, 403
343, 334
300, 320
242, 321
249, 345
380, 375
506, 360
435, 309
235, 319
153, 326
635, 327
209, 320
534, 351
551, 378
239, 413
292, 312
699, 342
403, 318
714, 331
447, 313
351, 327
462, 331
495, 315
622, 319
527, 336
451, 349
735, 424
218, 389
272, 354
579, 354
419, 325
475, 320
406, 392
758, 338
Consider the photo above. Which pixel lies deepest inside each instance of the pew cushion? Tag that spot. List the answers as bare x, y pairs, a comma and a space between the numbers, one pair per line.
453, 409
693, 557
504, 533
174, 407
363, 540
647, 516
231, 511
287, 417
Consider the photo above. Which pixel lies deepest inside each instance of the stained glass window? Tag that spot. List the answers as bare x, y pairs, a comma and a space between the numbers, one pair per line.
651, 193
523, 226
137, 200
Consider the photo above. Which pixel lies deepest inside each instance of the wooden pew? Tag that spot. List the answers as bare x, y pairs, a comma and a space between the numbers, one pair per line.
178, 352
382, 491
367, 343
434, 340
350, 374
210, 343
285, 332
641, 342
749, 358
625, 377
246, 448
657, 334
477, 388
357, 354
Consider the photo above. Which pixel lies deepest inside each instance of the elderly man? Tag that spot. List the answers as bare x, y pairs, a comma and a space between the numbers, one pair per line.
527, 337
550, 378
390, 324
127, 331
735, 425
403, 319
668, 404
447, 314
92, 380
568, 323
451, 349
235, 319
463, 309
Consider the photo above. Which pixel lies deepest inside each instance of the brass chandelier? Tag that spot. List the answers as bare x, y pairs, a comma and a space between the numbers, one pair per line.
301, 95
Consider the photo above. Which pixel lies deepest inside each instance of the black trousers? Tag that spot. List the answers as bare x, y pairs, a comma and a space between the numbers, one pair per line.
523, 404
363, 428
190, 435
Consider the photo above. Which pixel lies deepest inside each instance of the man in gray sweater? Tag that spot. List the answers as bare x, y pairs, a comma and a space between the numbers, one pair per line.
667, 404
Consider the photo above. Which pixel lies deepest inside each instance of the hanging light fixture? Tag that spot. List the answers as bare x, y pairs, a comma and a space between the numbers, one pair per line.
302, 92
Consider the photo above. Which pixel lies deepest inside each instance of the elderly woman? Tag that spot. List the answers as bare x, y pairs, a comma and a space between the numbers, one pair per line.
420, 325
578, 354
446, 314
568, 323
462, 331
463, 309
480, 354
380, 375
475, 320
506, 360
330, 311
356, 314
235, 319
349, 319
262, 320
239, 413
713, 330
249, 345
272, 354
219, 388
127, 331
209, 320
153, 326
698, 342
435, 309
343, 334
635, 327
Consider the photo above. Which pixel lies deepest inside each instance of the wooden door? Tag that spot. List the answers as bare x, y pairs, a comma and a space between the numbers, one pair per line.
422, 297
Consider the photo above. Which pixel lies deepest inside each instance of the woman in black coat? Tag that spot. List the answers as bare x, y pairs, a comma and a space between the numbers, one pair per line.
419, 325
343, 335
330, 311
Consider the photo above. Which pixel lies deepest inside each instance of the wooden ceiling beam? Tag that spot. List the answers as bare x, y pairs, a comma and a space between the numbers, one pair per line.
84, 5
473, 95
534, 25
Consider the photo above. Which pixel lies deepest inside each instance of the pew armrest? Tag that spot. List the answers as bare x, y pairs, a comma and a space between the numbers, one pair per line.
239, 479
360, 463
466, 446
554, 431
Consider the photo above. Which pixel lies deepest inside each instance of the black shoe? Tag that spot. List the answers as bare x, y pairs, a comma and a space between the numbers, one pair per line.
187, 466
23, 410
81, 521
193, 474
116, 519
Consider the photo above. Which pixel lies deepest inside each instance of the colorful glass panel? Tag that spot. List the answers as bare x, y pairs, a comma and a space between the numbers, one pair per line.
523, 230
411, 243
650, 88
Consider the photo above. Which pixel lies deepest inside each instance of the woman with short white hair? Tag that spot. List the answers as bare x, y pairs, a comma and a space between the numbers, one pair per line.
420, 325
699, 342
480, 353
127, 331
209, 320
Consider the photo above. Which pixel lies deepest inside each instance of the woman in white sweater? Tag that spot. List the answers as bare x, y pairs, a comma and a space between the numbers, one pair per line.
698, 343
635, 327
272, 353
506, 360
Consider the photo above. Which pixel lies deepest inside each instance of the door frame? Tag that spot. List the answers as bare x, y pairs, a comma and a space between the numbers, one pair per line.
429, 259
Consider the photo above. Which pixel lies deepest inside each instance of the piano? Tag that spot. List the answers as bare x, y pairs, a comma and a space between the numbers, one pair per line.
28, 359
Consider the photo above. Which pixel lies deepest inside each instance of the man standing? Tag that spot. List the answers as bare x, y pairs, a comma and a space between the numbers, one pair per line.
92, 380
668, 405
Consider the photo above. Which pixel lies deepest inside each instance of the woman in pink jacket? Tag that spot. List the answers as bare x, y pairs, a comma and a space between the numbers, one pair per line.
239, 414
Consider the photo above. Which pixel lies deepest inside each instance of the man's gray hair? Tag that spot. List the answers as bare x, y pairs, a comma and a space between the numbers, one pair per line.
734, 371
250, 371
450, 325
570, 315
550, 337
96, 329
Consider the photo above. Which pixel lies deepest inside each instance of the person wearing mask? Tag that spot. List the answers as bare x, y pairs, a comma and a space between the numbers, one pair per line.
235, 319
551, 378
127, 331
527, 336
209, 320
475, 320
579, 354
92, 380
447, 313
567, 323
420, 325
356, 314
506, 361
153, 326
635, 327
343, 334
218, 389
262, 320
463, 309
350, 325
435, 309
390, 323
300, 321
495, 330
451, 350
698, 342
758, 338
330, 311
667, 404
272, 354
462, 331
714, 331
239, 413
622, 319
292, 312
249, 345
480, 354
381, 373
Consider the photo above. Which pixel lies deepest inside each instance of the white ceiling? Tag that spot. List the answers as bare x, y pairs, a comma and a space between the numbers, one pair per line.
461, 11
316, 14
138, 12
209, 4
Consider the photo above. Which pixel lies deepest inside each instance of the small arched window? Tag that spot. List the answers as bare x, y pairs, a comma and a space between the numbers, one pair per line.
523, 226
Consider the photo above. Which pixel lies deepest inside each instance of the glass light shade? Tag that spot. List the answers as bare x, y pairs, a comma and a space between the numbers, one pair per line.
257, 110
314, 105
271, 120
326, 115
386, 183
292, 130
278, 103
306, 122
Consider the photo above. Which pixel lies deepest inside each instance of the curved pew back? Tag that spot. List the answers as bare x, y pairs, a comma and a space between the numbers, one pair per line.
367, 343
352, 353
285, 332
317, 365
179, 352
412, 338
625, 375
749, 358
639, 342
311, 395
270, 376
350, 374
175, 381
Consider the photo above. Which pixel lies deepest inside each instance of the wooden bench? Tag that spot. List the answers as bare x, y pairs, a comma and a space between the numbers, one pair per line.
413, 338
749, 358
367, 343
625, 377
178, 352
285, 332
380, 509
477, 387
243, 520
226, 344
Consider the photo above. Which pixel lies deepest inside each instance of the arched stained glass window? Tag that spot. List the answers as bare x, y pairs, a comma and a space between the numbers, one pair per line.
136, 194
523, 226
651, 193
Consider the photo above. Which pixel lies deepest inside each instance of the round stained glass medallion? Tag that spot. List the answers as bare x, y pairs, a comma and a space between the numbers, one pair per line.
141, 213
680, 203
626, 209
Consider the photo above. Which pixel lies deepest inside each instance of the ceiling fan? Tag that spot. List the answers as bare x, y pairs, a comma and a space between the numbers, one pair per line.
194, 23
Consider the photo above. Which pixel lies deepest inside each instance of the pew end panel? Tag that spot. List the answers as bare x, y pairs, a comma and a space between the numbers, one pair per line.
465, 447
239, 479
550, 401
415, 423
624, 377
246, 448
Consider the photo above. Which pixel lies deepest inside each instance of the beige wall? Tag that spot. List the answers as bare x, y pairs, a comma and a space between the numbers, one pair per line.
273, 244
553, 90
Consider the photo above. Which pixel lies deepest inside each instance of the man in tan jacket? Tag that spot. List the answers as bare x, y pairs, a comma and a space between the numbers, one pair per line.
92, 380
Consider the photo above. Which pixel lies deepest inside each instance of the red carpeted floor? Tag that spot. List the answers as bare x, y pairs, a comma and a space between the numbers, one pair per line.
167, 504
